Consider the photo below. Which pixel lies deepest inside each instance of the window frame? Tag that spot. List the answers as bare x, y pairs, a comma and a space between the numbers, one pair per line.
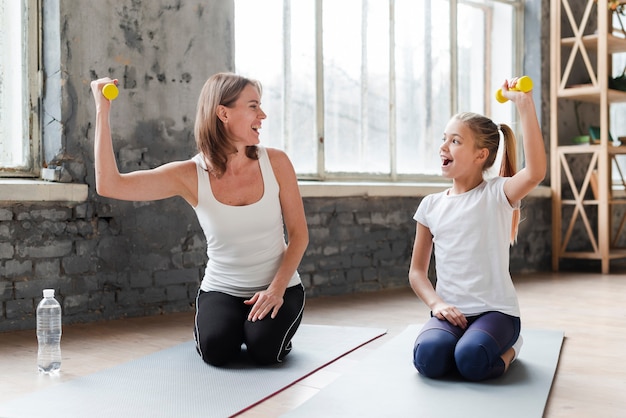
321, 174
393, 175
31, 53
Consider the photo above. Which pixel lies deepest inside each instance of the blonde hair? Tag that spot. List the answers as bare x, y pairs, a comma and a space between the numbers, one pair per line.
211, 137
487, 135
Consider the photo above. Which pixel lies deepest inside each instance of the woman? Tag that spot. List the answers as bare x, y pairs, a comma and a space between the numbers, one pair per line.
475, 318
245, 197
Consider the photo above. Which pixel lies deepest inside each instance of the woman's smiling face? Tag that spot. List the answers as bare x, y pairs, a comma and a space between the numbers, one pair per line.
244, 117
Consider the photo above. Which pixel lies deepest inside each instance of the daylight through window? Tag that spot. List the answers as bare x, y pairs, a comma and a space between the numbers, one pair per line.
364, 88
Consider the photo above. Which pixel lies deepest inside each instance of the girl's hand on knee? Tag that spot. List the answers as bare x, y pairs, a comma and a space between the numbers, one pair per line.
451, 314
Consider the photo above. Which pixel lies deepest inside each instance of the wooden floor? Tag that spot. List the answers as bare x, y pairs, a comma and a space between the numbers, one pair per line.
589, 307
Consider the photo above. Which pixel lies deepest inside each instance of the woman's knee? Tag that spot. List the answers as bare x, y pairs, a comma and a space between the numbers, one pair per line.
218, 357
268, 341
264, 357
268, 348
217, 350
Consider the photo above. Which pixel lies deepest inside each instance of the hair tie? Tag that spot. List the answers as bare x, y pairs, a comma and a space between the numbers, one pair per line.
500, 132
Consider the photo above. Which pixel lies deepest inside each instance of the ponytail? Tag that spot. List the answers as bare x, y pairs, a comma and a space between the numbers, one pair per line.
508, 168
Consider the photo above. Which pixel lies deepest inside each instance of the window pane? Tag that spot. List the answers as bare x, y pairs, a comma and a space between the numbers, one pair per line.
617, 127
499, 59
618, 110
356, 86
422, 83
14, 140
473, 25
375, 149
301, 136
342, 84
275, 44
485, 50
259, 55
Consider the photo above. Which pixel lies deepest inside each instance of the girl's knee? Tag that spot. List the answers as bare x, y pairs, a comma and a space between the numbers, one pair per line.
428, 363
472, 361
433, 357
479, 358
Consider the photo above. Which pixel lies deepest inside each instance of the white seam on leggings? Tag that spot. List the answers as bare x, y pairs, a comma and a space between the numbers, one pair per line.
280, 350
196, 335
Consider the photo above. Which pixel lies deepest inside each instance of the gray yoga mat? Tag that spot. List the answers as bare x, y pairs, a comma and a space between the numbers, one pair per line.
176, 383
385, 384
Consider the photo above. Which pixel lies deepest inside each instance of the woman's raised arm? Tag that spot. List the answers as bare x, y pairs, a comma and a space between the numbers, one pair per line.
171, 179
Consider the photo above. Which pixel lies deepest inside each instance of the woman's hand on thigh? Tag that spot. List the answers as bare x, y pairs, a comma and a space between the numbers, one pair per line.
264, 303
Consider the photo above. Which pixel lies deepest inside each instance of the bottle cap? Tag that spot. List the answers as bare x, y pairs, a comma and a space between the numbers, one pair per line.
48, 293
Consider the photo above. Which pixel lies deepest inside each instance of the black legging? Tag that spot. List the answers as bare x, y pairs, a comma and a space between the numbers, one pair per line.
222, 326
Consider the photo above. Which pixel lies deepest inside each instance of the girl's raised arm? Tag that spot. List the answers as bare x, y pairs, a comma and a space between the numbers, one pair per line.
534, 171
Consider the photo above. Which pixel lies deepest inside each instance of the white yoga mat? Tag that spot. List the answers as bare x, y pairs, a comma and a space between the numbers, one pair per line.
385, 384
176, 383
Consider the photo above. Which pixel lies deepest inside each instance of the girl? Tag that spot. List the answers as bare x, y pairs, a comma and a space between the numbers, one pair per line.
475, 318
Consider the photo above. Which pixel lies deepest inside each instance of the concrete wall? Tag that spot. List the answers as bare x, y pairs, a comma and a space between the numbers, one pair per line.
111, 259
107, 258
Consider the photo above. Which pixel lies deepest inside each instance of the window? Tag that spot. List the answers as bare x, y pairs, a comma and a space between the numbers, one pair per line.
364, 88
617, 110
616, 117
18, 88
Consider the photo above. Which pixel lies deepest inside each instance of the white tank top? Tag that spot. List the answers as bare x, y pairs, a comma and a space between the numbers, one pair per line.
245, 244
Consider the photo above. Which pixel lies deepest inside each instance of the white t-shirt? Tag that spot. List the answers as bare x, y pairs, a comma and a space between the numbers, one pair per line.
471, 237
245, 244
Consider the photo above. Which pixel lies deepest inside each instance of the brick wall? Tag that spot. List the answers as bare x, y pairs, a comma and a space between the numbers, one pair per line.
103, 264
119, 259
364, 244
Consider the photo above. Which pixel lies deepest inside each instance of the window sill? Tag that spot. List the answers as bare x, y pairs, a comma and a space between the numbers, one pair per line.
23, 190
26, 190
384, 189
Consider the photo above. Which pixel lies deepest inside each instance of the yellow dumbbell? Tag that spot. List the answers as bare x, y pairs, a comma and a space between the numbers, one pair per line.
110, 91
524, 84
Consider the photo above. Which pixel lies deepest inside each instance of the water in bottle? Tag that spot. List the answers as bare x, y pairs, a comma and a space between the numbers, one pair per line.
49, 333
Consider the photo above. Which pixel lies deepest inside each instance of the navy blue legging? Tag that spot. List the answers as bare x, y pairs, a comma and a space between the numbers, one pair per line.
222, 326
475, 352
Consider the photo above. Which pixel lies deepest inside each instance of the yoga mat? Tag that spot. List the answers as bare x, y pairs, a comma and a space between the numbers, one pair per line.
175, 382
385, 384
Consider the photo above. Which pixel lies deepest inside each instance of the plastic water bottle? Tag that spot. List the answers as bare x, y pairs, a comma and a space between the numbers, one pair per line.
49, 333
